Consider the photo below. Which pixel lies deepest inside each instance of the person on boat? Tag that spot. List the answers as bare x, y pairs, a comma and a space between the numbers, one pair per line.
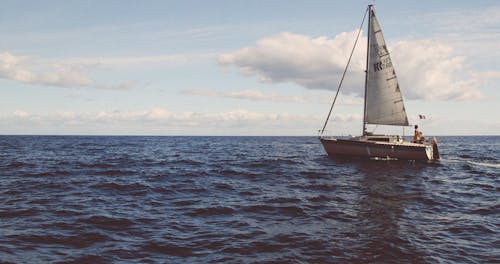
418, 136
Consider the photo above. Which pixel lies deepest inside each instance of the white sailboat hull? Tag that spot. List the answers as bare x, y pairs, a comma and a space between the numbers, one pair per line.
360, 147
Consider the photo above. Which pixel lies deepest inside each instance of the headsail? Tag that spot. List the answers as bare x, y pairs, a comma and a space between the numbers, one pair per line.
384, 102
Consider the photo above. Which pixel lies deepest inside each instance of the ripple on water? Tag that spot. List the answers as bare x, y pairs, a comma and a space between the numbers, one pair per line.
166, 248
113, 186
294, 211
223, 186
18, 213
81, 240
280, 200
242, 199
107, 223
211, 211
89, 259
184, 203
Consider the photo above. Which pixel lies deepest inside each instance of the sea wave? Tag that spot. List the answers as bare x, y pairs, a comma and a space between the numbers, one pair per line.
242, 199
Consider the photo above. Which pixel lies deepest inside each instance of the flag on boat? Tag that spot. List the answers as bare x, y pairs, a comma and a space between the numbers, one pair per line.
421, 116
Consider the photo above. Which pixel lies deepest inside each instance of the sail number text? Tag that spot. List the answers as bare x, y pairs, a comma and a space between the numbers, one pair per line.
383, 64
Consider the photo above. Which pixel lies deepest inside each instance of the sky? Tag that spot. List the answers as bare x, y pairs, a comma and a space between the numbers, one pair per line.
241, 67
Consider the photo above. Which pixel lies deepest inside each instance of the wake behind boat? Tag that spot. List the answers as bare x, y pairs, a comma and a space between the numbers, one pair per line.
383, 105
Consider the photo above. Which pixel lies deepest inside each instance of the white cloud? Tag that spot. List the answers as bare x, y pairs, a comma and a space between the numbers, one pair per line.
25, 70
459, 20
158, 115
426, 69
313, 63
487, 75
348, 118
248, 95
256, 95
20, 114
161, 120
131, 60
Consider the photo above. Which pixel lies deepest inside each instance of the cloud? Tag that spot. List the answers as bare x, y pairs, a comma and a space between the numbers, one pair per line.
256, 95
472, 31
313, 63
161, 119
130, 60
24, 69
157, 115
487, 75
426, 69
20, 114
481, 19
253, 95
429, 70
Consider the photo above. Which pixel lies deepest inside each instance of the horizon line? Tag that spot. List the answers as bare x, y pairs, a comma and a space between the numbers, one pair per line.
155, 135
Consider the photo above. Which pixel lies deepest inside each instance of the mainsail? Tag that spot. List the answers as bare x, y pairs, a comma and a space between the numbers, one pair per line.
384, 102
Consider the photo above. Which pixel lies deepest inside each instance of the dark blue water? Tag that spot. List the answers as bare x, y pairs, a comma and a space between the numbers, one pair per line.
243, 200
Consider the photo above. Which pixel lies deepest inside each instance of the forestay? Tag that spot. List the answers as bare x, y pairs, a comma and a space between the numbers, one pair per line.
384, 102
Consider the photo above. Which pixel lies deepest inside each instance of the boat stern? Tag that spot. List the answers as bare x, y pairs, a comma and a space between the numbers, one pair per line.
435, 150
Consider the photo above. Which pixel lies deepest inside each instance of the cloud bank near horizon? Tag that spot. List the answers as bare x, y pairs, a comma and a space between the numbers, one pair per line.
159, 116
162, 121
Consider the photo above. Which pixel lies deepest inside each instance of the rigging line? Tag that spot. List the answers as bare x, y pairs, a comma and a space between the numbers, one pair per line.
343, 74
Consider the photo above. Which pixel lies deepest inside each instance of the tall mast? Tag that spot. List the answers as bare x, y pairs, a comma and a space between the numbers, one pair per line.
367, 61
343, 74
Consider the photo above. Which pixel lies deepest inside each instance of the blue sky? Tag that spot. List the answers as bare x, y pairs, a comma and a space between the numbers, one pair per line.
239, 67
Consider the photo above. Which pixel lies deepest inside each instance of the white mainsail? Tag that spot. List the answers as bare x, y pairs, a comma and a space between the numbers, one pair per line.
384, 102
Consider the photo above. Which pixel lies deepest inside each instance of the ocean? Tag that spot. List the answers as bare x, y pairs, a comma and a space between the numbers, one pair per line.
102, 199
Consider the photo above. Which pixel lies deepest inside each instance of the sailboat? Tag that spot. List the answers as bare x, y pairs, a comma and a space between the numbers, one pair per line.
383, 105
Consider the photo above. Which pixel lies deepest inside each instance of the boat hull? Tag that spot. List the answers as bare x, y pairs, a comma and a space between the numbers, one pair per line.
385, 150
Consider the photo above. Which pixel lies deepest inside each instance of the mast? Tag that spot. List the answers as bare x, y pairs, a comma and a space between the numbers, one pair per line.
343, 75
367, 61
